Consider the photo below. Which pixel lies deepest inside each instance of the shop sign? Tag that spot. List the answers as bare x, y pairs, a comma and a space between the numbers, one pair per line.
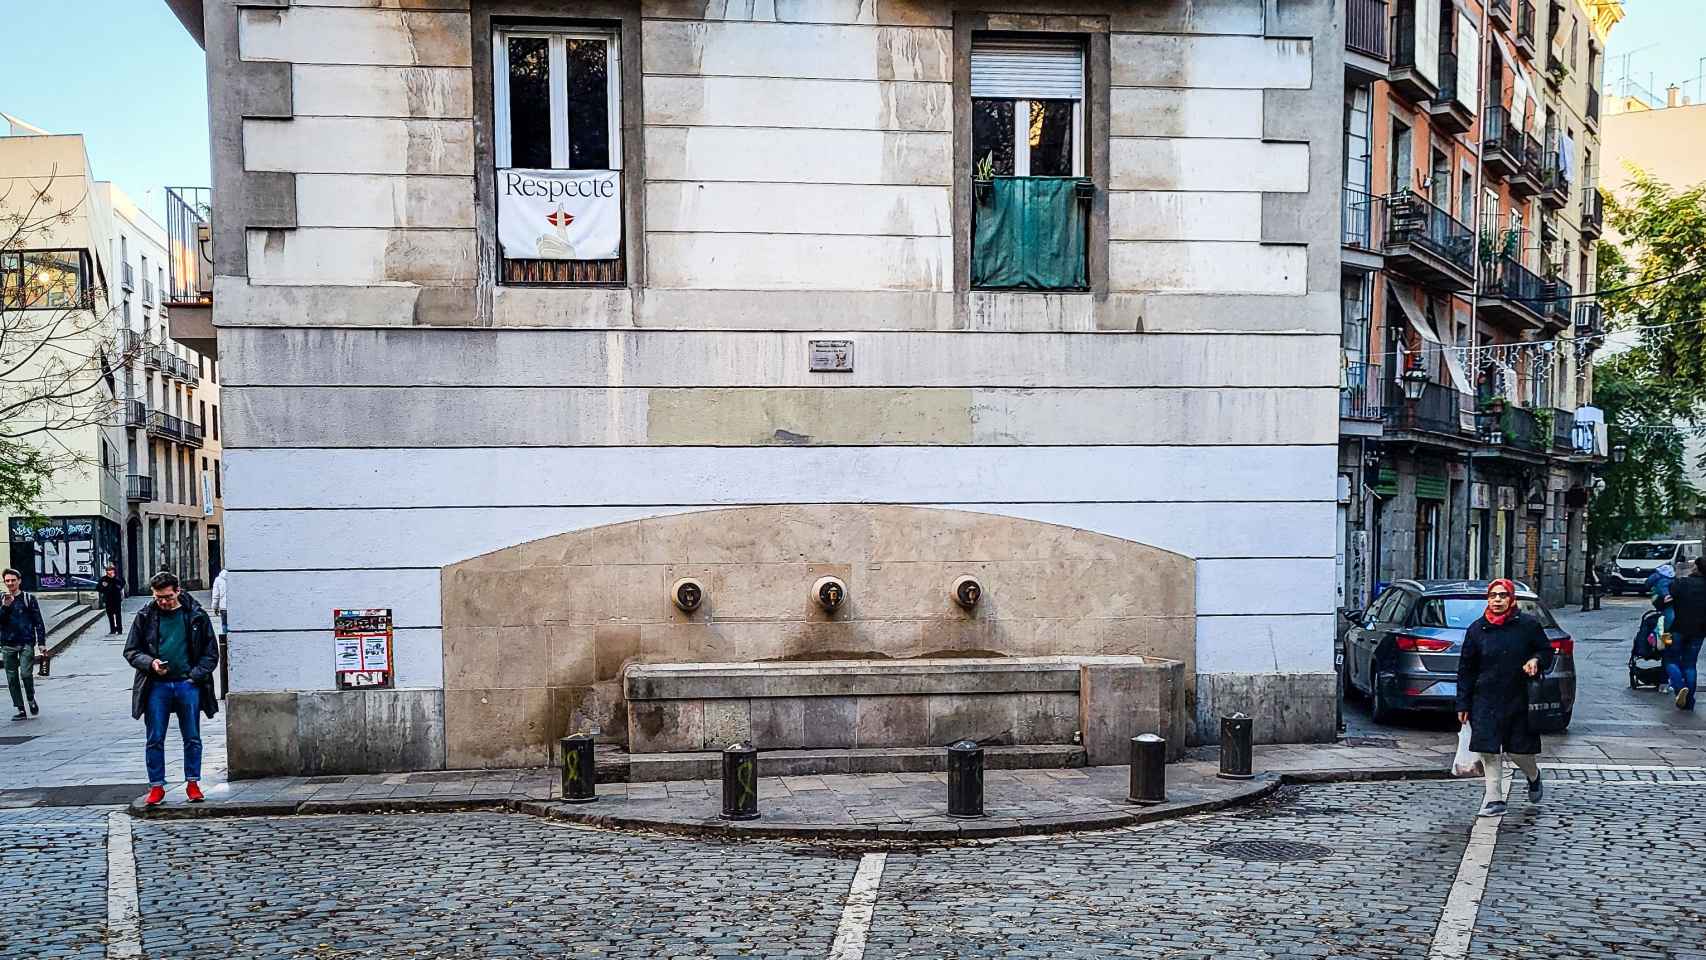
1507, 498
1480, 496
361, 644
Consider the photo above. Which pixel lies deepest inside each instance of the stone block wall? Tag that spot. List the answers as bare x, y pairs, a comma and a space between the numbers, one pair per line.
390, 410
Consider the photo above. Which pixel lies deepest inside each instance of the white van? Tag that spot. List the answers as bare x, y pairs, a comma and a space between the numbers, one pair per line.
1639, 558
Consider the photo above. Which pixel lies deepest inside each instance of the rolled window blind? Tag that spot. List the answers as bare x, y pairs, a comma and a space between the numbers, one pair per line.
1029, 70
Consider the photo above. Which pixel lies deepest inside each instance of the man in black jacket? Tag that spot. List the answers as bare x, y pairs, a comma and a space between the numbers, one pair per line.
174, 651
111, 589
1688, 598
23, 638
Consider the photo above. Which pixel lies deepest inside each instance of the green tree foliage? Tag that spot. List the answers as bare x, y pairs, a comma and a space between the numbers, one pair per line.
1652, 394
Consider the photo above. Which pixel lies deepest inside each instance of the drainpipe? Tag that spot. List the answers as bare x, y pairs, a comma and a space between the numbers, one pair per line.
1481, 60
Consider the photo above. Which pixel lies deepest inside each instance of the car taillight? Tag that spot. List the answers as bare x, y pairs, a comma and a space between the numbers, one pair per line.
1565, 647
1411, 644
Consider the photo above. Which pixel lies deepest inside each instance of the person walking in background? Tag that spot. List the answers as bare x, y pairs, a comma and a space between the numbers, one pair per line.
174, 652
111, 589
224, 629
23, 638
1658, 587
1501, 650
1686, 602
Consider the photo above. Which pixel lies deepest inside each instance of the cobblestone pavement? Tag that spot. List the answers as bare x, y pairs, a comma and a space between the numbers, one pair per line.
1590, 873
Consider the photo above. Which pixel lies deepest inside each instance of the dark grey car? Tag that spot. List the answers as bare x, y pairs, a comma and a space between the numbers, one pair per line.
1402, 651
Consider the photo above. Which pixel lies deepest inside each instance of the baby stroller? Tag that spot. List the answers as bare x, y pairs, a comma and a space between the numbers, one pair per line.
1645, 668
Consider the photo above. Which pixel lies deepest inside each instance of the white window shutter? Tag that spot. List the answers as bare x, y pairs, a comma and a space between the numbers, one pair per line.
1427, 40
1468, 64
1027, 70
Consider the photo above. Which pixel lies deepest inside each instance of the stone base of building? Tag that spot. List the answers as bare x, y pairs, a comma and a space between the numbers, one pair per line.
1286, 707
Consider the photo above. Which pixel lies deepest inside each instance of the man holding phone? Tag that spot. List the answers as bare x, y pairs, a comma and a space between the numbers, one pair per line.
23, 638
174, 651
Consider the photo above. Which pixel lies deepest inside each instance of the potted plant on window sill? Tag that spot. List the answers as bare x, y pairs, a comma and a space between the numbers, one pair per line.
983, 177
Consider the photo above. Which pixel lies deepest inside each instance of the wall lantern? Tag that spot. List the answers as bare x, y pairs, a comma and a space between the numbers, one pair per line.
1415, 382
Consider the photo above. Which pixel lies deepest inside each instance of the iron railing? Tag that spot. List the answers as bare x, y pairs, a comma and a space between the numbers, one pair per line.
162, 424
1360, 219
127, 277
1500, 9
1496, 132
1521, 429
1558, 297
189, 242
1590, 320
1563, 429
1531, 155
1447, 77
1365, 27
1515, 282
135, 413
1593, 211
1593, 104
138, 488
1436, 411
1525, 22
150, 356
1404, 41
1411, 220
147, 292
1359, 396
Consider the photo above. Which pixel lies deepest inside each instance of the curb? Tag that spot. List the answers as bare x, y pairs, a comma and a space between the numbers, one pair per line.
1265, 785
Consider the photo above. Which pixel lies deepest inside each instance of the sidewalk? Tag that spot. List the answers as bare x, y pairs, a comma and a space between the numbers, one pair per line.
85, 747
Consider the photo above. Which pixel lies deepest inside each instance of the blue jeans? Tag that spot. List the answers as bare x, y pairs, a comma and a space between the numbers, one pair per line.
165, 699
1682, 665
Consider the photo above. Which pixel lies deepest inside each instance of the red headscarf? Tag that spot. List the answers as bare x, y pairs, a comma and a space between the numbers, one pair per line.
1498, 620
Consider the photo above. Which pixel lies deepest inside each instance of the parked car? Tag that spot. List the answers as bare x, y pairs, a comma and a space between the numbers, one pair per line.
1401, 652
1639, 558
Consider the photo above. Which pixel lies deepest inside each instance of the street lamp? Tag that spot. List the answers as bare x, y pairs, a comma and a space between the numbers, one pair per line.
1619, 452
1415, 382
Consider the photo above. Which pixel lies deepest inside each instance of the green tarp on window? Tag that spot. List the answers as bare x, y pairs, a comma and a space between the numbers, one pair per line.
1028, 232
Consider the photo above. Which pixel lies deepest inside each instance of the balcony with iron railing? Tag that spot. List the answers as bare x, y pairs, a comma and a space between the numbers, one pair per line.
1559, 303
1360, 220
1554, 184
162, 424
1525, 181
1501, 144
1563, 430
1404, 77
1437, 411
1512, 293
1590, 324
1360, 394
138, 488
133, 414
1427, 244
1521, 429
1525, 28
1449, 111
193, 433
1593, 107
189, 274
1499, 13
1593, 214
127, 277
1365, 27
151, 356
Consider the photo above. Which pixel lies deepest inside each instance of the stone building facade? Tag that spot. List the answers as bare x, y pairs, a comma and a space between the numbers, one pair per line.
815, 311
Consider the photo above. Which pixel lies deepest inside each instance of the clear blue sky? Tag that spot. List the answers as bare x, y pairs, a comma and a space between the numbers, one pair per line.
125, 74
1664, 41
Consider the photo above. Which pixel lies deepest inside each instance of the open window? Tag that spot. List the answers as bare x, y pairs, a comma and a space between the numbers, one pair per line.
1030, 215
557, 118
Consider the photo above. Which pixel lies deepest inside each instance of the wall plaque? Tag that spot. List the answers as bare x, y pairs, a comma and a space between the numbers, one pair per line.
832, 356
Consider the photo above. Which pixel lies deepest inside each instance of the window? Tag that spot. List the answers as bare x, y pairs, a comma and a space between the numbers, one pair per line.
1466, 198
216, 421
1440, 180
217, 493
1402, 161
45, 280
203, 420
1029, 219
558, 146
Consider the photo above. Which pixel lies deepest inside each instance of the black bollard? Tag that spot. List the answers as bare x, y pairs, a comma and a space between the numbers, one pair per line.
580, 769
1148, 769
740, 782
965, 779
1235, 749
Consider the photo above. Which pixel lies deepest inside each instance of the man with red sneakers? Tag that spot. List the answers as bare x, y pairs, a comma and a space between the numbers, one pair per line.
174, 651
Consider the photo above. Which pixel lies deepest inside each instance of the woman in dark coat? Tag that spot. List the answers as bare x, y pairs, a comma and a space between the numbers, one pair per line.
1501, 650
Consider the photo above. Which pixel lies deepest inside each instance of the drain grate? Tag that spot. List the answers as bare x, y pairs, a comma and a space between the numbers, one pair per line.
1270, 851
446, 776
324, 781
1391, 742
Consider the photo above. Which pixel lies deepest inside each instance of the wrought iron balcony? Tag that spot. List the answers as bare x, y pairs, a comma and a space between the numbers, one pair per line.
1593, 106
161, 424
189, 241
1590, 323
1563, 430
127, 278
193, 434
1558, 303
1427, 244
1360, 220
1448, 110
1593, 214
1513, 293
1554, 186
1365, 27
134, 414
1525, 182
1437, 411
138, 488
147, 292
1360, 395
1501, 144
1520, 429
1405, 79
151, 356
1525, 28
1499, 12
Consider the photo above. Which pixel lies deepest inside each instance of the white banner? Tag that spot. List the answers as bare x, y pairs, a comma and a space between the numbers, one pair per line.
560, 214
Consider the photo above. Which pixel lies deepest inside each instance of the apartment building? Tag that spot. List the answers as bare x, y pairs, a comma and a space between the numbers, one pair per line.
1470, 215
755, 291
144, 493
170, 410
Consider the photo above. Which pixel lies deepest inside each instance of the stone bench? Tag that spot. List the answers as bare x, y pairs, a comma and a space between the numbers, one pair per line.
1100, 702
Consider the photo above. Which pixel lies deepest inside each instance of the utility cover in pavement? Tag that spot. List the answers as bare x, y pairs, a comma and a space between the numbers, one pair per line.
14, 741
1270, 851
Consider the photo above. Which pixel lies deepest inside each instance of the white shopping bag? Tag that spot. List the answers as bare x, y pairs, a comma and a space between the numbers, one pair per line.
1465, 763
